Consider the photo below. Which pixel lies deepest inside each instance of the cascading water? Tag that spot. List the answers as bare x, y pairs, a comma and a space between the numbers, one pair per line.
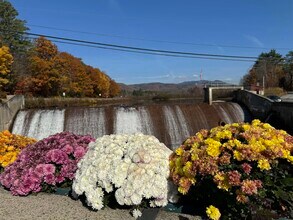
39, 124
171, 124
86, 121
176, 125
132, 120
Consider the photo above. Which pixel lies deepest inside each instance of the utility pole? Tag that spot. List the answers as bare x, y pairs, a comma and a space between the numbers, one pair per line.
200, 75
263, 84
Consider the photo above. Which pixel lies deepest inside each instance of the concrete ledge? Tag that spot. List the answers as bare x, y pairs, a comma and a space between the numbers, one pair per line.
8, 110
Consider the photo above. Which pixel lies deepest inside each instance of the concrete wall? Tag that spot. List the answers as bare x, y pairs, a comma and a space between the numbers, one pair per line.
8, 111
212, 93
258, 105
283, 111
279, 114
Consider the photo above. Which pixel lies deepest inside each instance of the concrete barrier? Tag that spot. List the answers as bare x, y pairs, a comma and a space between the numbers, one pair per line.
9, 109
258, 105
279, 114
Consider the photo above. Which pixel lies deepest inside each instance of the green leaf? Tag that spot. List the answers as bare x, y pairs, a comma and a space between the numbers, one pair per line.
287, 181
281, 194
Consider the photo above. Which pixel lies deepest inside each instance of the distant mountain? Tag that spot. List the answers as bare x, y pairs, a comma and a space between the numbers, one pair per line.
169, 87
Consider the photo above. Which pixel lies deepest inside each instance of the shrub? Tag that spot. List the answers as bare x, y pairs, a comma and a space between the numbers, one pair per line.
240, 168
45, 165
130, 169
10, 147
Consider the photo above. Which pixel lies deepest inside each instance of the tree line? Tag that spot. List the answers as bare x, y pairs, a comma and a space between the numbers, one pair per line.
37, 68
272, 69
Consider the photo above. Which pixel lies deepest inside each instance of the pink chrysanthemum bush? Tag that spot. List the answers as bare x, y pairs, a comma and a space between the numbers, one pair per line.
45, 165
241, 169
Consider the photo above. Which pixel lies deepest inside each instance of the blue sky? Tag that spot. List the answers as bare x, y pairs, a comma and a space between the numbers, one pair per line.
182, 25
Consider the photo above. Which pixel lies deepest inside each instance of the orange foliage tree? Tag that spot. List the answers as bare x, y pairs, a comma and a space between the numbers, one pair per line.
6, 60
51, 73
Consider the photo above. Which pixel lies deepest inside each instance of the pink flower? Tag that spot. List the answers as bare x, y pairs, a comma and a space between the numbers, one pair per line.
36, 164
50, 179
39, 170
249, 187
57, 156
59, 179
49, 169
79, 152
68, 149
246, 168
234, 178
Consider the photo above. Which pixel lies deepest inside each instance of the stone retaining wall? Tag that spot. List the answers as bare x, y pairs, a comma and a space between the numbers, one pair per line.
9, 109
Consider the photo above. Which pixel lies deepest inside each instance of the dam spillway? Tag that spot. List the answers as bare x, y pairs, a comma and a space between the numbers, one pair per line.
170, 123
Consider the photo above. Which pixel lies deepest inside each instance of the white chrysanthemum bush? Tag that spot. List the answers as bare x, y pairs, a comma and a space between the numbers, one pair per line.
135, 168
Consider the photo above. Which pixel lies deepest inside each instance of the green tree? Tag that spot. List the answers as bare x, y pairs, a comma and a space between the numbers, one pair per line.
12, 35
288, 68
268, 67
12, 29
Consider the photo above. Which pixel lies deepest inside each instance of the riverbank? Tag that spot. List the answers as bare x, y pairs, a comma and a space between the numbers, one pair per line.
44, 206
60, 102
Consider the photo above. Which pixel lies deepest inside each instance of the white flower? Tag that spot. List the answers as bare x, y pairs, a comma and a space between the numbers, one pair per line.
136, 213
135, 166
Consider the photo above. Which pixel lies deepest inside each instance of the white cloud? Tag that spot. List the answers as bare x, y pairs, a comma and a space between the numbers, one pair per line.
254, 40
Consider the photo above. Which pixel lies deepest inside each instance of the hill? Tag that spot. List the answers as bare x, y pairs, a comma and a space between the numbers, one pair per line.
170, 87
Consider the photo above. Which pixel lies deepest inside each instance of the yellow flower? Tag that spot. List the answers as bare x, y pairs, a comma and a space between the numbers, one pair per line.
286, 153
213, 212
187, 168
179, 151
246, 127
255, 122
213, 148
267, 126
182, 190
194, 156
10, 146
263, 164
237, 155
222, 181
290, 159
224, 134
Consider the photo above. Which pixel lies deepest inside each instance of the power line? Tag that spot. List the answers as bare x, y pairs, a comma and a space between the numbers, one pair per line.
159, 41
150, 53
146, 50
139, 48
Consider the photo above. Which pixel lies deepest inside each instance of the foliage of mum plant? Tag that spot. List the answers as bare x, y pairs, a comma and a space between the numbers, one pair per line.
45, 165
131, 168
240, 168
10, 147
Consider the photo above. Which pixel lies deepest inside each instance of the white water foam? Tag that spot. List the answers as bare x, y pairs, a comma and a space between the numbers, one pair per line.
127, 121
173, 126
43, 123
87, 121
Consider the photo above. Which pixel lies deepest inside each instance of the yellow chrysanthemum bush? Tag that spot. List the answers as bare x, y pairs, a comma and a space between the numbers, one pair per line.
10, 147
235, 171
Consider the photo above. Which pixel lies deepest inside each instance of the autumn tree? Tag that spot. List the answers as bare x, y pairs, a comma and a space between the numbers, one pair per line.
12, 35
114, 89
6, 60
78, 82
52, 72
43, 78
288, 69
268, 66
100, 82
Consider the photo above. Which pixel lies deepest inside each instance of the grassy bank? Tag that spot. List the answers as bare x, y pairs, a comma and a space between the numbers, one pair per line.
59, 102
